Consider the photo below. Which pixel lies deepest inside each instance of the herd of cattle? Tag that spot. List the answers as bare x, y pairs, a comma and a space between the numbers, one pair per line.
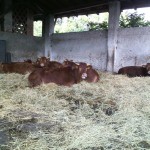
67, 73
46, 71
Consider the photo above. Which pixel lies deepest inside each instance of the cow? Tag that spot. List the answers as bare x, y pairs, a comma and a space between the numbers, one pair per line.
16, 67
133, 71
68, 63
54, 65
91, 74
66, 76
28, 61
147, 66
42, 62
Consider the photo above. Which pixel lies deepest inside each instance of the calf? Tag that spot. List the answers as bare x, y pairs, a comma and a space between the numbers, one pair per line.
133, 71
16, 67
54, 65
68, 63
28, 61
91, 74
42, 62
147, 66
61, 76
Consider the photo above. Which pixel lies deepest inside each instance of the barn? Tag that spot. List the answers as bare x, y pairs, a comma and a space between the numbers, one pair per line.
110, 114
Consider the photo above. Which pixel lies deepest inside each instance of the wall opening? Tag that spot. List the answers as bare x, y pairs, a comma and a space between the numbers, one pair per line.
37, 28
81, 23
135, 18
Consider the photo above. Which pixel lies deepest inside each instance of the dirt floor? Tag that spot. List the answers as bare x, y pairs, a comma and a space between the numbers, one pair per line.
111, 114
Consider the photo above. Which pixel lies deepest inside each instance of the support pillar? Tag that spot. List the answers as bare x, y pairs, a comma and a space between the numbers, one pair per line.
30, 22
8, 16
48, 30
113, 25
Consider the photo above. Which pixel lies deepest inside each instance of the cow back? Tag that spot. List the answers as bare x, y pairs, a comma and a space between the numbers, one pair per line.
133, 71
17, 67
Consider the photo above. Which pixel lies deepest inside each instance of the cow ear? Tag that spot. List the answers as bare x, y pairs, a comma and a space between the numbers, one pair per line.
75, 67
144, 66
89, 67
38, 58
77, 64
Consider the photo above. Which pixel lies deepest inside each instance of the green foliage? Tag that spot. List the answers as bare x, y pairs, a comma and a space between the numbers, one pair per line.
133, 20
98, 26
93, 22
127, 21
72, 24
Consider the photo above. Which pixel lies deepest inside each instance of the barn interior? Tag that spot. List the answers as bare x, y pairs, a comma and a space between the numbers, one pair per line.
110, 114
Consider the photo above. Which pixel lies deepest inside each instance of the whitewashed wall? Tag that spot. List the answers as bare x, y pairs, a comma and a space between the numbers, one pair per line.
133, 47
23, 47
89, 47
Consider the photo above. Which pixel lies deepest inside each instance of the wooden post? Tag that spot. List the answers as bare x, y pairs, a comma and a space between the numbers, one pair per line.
114, 14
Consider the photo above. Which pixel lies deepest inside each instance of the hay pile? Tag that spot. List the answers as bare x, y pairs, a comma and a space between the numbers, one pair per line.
111, 114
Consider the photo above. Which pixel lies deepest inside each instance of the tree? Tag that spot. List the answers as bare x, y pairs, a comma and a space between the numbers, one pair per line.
133, 20
98, 26
94, 22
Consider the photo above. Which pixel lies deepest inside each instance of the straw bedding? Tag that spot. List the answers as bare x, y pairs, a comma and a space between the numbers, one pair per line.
111, 114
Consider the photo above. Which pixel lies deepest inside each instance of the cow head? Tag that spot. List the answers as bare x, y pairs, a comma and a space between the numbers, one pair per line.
68, 63
83, 68
147, 66
28, 61
42, 61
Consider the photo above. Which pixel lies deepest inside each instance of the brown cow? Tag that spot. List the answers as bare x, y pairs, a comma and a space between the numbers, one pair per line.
147, 66
54, 65
42, 62
133, 71
91, 74
28, 61
16, 67
62, 76
68, 63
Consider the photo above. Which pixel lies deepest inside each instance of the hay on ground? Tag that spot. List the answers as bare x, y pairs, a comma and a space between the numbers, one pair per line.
111, 114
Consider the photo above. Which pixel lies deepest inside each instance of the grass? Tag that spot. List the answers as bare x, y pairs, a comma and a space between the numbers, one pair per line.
111, 114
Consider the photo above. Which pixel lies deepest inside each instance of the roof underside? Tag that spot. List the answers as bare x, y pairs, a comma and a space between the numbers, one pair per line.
62, 8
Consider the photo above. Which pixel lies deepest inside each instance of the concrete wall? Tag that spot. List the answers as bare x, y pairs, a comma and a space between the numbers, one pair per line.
133, 47
23, 47
90, 47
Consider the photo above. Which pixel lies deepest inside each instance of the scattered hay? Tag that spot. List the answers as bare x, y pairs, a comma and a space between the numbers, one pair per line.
111, 114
